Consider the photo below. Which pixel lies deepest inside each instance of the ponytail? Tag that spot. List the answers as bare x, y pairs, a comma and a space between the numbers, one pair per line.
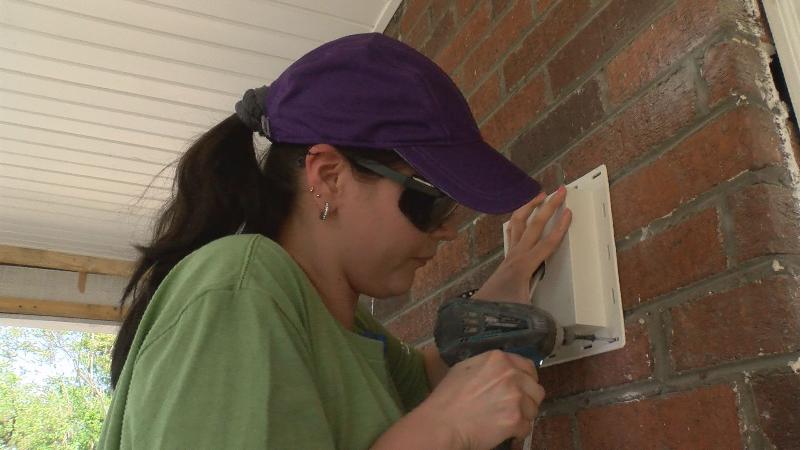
218, 187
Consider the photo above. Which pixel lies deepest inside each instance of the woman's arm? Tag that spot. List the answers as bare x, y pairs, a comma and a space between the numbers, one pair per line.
421, 428
435, 368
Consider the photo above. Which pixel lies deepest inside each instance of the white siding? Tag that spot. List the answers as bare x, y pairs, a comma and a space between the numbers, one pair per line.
97, 97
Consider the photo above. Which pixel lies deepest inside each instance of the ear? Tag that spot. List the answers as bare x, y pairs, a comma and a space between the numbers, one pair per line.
326, 170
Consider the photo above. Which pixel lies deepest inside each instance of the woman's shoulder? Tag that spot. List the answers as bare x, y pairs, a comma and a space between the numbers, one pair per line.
245, 266
218, 264
250, 261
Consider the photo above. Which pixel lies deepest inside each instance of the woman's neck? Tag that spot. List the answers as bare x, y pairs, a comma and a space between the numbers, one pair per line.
320, 262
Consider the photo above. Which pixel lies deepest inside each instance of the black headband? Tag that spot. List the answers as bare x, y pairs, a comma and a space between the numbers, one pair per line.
250, 109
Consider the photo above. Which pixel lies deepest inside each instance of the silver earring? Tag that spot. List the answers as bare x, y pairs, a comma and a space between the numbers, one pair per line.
324, 214
312, 190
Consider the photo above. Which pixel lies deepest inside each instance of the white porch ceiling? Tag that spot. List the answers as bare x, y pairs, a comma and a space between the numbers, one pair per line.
98, 96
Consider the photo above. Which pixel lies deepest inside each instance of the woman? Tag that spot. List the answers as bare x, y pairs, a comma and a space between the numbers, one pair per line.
244, 330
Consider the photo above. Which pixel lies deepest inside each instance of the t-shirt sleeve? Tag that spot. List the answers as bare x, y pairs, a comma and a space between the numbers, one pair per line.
232, 371
405, 363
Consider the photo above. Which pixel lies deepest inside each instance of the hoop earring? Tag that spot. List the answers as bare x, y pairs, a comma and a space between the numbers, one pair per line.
324, 214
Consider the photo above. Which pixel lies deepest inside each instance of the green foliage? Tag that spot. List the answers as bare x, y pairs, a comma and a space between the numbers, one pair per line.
63, 409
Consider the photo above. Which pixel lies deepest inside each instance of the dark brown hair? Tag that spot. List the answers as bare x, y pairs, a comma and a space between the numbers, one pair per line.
219, 185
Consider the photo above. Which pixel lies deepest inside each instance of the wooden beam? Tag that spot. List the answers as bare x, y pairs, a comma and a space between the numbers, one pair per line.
82, 282
46, 259
53, 308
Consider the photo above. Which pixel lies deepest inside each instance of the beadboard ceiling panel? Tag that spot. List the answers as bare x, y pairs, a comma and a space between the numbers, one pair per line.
98, 98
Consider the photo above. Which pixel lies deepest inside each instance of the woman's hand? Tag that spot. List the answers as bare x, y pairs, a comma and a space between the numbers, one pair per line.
527, 248
485, 400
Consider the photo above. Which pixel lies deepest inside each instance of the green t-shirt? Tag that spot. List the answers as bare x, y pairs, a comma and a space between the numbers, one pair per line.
236, 350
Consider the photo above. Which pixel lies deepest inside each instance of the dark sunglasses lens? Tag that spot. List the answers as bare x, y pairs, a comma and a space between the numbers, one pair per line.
426, 212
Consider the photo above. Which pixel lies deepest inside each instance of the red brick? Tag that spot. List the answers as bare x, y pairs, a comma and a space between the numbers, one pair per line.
498, 6
565, 124
550, 178
458, 76
489, 234
731, 69
762, 318
419, 33
552, 433
674, 258
473, 279
510, 28
521, 108
416, 324
606, 30
542, 5
743, 139
766, 221
648, 122
451, 258
441, 33
778, 405
484, 100
466, 38
630, 363
414, 11
543, 39
671, 37
464, 7
705, 418
437, 9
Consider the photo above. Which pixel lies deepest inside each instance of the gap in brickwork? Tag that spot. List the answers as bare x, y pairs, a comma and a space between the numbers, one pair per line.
779, 79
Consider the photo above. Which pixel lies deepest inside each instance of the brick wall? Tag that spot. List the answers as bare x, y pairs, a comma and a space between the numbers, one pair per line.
675, 97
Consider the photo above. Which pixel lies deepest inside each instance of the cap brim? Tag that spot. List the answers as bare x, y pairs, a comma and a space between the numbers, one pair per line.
475, 175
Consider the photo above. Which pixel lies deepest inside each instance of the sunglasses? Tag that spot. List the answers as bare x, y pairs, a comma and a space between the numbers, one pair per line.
421, 202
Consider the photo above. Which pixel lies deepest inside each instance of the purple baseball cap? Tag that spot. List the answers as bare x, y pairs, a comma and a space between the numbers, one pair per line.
372, 91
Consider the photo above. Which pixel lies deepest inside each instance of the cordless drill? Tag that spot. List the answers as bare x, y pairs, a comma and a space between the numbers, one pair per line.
468, 327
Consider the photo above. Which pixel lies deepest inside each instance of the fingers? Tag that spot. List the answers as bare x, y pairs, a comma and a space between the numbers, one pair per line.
544, 247
538, 393
530, 402
543, 214
556, 235
530, 384
522, 213
523, 364
529, 377
519, 218
513, 380
533, 396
